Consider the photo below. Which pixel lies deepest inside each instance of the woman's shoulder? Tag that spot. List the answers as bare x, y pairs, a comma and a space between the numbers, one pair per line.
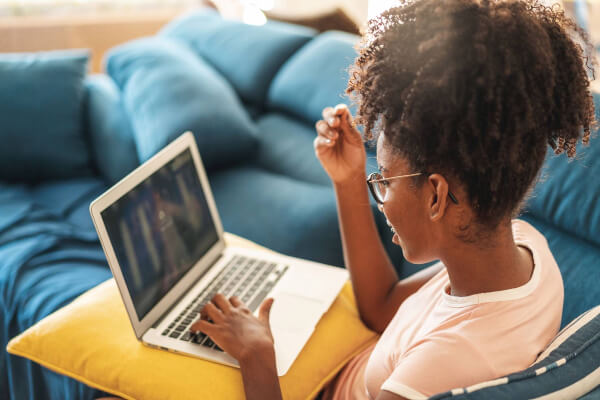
524, 230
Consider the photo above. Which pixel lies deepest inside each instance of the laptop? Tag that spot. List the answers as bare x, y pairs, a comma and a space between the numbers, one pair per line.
163, 239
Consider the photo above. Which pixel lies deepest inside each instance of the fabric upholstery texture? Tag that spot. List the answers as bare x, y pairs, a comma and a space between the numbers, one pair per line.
576, 259
260, 50
562, 195
296, 212
286, 148
168, 90
315, 77
49, 255
111, 135
41, 116
92, 340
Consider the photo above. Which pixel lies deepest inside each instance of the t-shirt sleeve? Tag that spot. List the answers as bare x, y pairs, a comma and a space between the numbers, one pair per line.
434, 366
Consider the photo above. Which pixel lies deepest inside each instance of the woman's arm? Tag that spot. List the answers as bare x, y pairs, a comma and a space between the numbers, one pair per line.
259, 373
340, 149
233, 327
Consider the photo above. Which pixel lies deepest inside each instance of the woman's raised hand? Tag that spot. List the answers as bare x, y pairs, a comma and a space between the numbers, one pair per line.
339, 146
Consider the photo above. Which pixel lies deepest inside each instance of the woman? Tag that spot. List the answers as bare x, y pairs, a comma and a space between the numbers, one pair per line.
462, 98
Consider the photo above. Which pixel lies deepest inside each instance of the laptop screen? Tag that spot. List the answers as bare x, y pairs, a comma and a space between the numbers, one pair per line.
159, 230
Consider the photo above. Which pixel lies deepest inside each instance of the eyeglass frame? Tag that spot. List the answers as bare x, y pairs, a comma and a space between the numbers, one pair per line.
371, 182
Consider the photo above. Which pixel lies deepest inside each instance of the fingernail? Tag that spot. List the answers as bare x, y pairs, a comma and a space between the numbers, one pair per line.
328, 141
331, 121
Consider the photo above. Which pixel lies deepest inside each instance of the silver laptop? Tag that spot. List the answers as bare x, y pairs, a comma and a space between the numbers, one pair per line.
163, 240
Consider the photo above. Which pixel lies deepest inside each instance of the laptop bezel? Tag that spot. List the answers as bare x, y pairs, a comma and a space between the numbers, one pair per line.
176, 147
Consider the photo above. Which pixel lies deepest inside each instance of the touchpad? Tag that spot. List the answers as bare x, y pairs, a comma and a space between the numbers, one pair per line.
294, 313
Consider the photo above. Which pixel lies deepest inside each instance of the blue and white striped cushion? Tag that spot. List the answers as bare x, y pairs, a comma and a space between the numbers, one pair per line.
568, 368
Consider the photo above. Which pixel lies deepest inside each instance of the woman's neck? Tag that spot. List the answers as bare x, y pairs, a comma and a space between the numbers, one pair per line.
499, 265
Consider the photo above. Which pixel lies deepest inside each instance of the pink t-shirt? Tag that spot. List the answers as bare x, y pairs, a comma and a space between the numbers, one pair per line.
437, 342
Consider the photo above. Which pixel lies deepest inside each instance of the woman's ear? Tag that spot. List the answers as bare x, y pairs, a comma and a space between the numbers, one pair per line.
437, 188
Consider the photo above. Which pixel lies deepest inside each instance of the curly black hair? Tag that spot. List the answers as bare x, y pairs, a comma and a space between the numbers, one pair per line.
476, 90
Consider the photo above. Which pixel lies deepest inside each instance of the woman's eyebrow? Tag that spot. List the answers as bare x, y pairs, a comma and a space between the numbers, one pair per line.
381, 168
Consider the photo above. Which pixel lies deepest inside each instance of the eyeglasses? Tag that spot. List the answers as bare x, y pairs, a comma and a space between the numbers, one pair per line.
378, 186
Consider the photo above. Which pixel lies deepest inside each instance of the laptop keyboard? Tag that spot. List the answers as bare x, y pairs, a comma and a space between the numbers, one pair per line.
248, 278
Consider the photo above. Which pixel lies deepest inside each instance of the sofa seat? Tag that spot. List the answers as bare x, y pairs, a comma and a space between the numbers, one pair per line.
49, 255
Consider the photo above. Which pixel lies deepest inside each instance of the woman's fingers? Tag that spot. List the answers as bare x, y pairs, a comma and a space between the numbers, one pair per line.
235, 301
339, 119
323, 129
346, 125
202, 326
220, 301
321, 143
212, 312
265, 310
330, 117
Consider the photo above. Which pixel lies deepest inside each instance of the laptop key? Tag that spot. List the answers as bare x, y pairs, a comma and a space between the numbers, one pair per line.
186, 336
165, 332
199, 337
180, 328
174, 334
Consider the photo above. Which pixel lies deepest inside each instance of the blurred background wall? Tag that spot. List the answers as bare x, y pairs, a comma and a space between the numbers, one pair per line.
33, 25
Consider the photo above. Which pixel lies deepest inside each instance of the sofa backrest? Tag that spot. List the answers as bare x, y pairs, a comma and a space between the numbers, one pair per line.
247, 56
315, 77
566, 194
565, 207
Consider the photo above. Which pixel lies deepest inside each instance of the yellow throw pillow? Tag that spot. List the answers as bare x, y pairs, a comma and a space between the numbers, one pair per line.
91, 340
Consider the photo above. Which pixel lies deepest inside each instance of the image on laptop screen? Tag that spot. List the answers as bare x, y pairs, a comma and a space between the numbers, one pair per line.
159, 230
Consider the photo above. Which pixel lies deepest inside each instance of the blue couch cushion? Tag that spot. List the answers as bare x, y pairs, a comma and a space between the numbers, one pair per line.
111, 135
41, 116
315, 77
567, 194
567, 369
167, 89
247, 56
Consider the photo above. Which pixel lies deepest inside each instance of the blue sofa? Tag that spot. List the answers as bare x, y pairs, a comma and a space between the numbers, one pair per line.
251, 95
